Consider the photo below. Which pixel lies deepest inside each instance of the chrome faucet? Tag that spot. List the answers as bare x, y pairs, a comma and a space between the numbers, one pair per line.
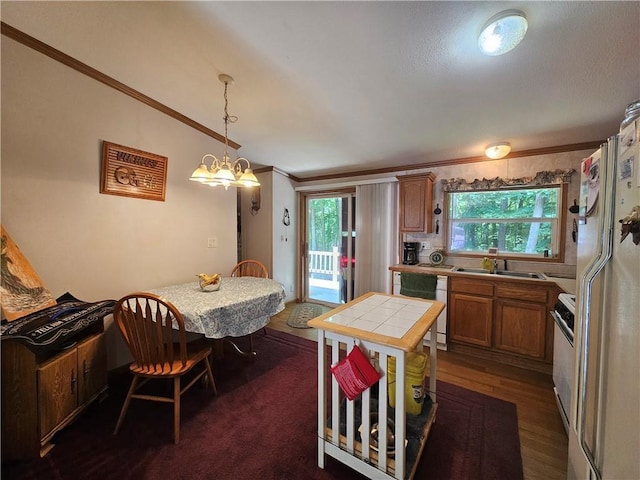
495, 265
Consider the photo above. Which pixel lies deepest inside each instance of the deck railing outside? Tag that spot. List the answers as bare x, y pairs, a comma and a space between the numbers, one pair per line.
324, 268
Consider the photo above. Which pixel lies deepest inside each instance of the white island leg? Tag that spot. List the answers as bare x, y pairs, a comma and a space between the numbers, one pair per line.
322, 370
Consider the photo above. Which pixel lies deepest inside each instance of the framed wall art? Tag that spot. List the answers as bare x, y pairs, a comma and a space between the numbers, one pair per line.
22, 291
130, 172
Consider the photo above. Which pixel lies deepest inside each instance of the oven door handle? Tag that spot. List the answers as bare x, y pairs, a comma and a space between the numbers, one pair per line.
564, 328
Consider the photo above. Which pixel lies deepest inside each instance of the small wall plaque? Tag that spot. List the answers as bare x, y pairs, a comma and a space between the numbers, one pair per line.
132, 173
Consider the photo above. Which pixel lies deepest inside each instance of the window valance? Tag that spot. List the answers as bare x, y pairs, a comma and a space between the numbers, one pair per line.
541, 178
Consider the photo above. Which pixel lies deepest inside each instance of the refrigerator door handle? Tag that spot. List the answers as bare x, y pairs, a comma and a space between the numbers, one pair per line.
606, 223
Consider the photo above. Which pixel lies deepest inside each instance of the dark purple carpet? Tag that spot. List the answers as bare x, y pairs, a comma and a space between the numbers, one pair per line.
262, 425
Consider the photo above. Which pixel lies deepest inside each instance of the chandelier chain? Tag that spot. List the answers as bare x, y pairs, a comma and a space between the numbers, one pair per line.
227, 118
224, 171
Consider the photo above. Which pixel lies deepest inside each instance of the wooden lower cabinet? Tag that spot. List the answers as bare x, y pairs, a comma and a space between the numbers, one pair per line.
472, 319
41, 394
502, 320
521, 328
57, 390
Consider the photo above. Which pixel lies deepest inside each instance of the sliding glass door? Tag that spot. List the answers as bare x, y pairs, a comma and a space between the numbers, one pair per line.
329, 257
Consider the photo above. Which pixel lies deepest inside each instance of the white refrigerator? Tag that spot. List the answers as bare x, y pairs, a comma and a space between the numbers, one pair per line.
604, 432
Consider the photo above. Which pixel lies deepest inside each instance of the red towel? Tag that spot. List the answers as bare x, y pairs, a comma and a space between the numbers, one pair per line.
355, 373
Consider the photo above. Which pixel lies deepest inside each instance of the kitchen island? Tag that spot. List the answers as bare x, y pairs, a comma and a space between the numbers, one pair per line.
386, 328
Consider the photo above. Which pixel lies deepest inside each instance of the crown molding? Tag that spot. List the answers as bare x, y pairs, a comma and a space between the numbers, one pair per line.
458, 161
35, 44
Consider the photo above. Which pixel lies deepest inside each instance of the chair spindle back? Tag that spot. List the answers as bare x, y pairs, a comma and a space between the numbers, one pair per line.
250, 268
147, 323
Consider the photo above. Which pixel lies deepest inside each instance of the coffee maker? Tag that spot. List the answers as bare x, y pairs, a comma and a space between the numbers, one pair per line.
410, 256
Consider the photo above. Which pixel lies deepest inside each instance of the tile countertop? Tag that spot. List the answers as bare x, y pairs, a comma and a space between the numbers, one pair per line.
568, 285
399, 322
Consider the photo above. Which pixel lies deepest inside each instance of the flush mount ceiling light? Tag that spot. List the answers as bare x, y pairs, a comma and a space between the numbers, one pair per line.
498, 150
503, 32
224, 172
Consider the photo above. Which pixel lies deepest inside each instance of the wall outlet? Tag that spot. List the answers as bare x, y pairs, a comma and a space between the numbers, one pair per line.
212, 242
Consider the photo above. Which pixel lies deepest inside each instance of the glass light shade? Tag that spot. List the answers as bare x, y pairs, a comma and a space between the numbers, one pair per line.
248, 179
498, 150
503, 32
224, 175
201, 174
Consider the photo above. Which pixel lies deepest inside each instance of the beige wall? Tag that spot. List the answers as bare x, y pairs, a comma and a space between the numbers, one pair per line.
265, 237
92, 245
285, 237
257, 229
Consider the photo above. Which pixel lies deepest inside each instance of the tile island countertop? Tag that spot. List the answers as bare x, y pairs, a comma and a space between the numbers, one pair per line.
568, 285
400, 322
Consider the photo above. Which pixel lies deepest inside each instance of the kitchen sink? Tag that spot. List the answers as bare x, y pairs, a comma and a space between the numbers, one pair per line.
537, 275
504, 273
469, 270
430, 265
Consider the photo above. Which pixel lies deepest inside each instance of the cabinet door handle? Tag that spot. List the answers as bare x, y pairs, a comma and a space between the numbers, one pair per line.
73, 381
85, 369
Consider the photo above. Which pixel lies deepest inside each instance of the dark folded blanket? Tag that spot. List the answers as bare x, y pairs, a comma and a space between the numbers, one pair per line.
51, 327
418, 285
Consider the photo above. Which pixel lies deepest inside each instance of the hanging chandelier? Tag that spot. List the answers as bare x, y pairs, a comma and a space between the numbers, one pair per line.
225, 172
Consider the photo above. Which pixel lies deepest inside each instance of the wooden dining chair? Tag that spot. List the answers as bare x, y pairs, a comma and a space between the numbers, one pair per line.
251, 268
154, 332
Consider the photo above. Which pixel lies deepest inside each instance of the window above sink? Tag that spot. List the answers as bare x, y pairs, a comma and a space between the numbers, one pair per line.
517, 223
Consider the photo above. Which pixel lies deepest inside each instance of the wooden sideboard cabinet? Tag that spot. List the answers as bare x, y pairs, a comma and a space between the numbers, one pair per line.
416, 200
503, 320
42, 393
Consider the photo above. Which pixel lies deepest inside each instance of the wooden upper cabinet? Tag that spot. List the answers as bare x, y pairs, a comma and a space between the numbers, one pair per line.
416, 200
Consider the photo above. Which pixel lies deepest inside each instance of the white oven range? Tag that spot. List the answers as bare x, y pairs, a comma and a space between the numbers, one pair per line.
563, 353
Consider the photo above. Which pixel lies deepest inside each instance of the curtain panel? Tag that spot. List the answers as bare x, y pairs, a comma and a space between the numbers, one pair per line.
376, 236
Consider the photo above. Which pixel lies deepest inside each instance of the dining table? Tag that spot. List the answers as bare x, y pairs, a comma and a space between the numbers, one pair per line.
240, 307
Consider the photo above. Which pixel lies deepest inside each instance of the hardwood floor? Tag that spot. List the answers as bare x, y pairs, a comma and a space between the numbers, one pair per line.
543, 441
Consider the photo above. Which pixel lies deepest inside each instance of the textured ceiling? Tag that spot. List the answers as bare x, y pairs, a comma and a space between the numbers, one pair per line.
332, 87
